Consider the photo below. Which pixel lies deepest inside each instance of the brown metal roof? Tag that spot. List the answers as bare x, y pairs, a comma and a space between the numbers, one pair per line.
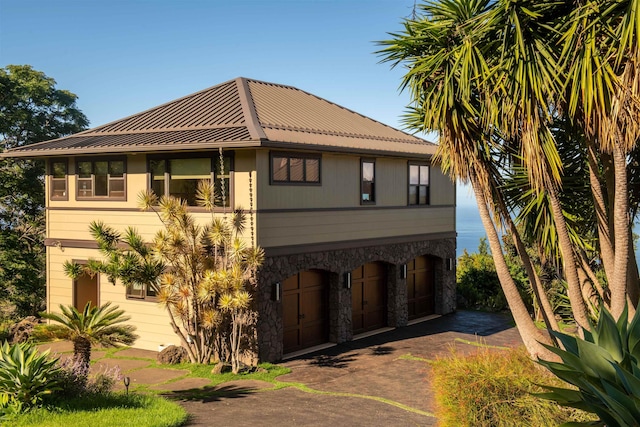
238, 113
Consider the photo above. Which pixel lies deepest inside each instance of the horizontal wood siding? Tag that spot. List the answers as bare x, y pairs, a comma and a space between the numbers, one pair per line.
298, 228
151, 321
442, 189
340, 187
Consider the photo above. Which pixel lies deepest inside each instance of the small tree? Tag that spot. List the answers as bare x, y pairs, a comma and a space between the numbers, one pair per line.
203, 275
93, 325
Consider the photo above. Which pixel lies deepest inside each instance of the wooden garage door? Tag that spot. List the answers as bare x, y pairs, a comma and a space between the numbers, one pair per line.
369, 297
421, 287
305, 310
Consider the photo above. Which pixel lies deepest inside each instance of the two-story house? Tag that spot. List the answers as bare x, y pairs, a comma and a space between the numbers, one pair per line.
357, 223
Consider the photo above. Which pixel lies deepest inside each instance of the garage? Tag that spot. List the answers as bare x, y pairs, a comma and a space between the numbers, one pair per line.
421, 287
369, 297
305, 310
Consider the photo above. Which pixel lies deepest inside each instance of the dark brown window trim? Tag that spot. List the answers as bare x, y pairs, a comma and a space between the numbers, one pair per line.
372, 201
145, 297
414, 163
214, 157
51, 178
298, 155
99, 159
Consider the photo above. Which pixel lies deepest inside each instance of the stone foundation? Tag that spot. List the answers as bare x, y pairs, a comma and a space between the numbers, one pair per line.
337, 262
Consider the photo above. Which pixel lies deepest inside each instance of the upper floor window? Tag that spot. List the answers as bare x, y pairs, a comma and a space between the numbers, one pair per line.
418, 184
368, 181
101, 178
295, 168
58, 180
179, 177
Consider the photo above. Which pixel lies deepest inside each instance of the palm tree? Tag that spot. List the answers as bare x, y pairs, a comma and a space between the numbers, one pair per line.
449, 54
93, 325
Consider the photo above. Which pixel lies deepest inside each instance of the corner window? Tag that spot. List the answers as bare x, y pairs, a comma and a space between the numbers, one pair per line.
140, 291
368, 181
58, 180
295, 168
104, 179
418, 184
179, 177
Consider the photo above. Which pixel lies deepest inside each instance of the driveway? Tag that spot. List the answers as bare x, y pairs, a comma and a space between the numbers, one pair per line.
383, 379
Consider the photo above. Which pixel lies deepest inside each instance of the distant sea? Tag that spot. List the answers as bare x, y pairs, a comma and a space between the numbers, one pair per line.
469, 227
470, 230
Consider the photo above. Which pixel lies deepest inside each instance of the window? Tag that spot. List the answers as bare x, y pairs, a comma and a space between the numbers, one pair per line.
101, 179
295, 168
179, 177
418, 184
58, 180
368, 182
140, 291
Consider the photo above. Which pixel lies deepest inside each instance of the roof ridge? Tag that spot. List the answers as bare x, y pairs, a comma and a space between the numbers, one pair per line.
249, 109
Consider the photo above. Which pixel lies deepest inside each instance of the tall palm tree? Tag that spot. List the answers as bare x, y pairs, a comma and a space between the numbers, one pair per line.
448, 53
93, 325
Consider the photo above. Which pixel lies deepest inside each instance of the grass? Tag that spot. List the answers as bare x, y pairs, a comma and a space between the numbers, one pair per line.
112, 410
496, 388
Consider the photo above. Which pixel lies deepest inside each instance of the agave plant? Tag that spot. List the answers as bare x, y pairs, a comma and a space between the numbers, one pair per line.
605, 368
26, 376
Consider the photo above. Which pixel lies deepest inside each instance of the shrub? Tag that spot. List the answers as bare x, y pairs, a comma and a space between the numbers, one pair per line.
494, 388
74, 379
26, 376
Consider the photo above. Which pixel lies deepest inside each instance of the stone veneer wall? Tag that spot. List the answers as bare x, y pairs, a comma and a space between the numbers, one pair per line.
337, 262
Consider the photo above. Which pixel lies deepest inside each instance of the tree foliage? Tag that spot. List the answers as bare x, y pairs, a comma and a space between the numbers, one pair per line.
537, 106
32, 110
203, 275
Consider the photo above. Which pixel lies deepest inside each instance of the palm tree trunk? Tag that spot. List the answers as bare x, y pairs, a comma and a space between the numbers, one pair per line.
568, 261
531, 336
621, 224
602, 217
82, 353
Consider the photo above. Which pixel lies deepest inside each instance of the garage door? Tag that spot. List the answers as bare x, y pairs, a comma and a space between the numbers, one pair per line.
421, 287
305, 310
369, 297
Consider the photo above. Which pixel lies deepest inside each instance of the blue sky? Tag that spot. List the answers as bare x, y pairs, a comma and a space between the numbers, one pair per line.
121, 57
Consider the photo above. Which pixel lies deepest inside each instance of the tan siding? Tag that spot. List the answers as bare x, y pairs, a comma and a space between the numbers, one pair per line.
442, 189
151, 320
297, 228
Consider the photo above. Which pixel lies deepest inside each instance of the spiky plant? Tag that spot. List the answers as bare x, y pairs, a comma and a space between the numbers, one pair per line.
605, 368
93, 325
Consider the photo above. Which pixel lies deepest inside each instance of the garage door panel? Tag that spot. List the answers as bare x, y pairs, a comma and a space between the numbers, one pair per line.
420, 287
305, 314
369, 297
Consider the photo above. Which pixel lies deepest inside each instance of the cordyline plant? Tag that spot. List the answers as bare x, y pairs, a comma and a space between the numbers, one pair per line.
202, 274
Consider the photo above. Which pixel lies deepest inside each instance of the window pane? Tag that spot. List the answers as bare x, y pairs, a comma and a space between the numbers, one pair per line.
190, 168
423, 195
367, 192
157, 169
184, 189
100, 182
313, 170
59, 169
84, 169
368, 171
116, 168
414, 179
424, 175
297, 169
222, 200
116, 187
413, 194
100, 168
135, 291
280, 169
85, 187
58, 187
